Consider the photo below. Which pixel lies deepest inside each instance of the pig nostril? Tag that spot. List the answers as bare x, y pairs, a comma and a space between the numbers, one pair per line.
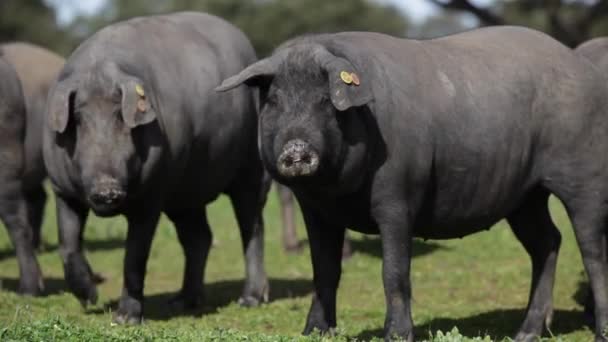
288, 161
298, 158
115, 194
107, 196
306, 159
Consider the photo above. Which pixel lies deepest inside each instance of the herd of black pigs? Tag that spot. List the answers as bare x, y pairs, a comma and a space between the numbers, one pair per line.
402, 138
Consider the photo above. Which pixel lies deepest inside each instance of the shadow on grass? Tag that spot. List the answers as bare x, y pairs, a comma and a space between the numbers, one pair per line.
52, 286
498, 324
583, 297
91, 245
373, 246
217, 295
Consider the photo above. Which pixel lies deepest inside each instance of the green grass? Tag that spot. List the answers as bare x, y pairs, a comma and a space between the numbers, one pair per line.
478, 284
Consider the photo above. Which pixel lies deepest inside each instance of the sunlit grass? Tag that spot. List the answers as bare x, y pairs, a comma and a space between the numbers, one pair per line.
478, 284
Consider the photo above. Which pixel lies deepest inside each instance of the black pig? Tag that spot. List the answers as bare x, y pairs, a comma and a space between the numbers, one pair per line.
437, 139
14, 206
135, 128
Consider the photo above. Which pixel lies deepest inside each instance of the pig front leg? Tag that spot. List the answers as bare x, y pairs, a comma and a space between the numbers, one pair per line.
195, 237
396, 233
139, 240
326, 252
71, 218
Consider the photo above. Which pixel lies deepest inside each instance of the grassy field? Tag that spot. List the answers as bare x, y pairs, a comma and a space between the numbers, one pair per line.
478, 284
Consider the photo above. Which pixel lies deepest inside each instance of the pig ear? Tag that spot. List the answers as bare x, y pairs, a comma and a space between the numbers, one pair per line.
60, 107
251, 75
263, 68
347, 86
136, 108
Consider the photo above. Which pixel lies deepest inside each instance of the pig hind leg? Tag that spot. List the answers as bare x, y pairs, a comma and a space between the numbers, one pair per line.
533, 227
588, 303
36, 200
13, 213
290, 238
248, 199
584, 193
589, 222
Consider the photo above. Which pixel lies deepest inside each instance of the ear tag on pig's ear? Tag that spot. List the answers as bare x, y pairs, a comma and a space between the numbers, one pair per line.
140, 90
346, 77
142, 106
355, 78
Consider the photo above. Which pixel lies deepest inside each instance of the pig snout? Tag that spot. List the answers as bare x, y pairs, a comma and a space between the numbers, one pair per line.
107, 192
298, 158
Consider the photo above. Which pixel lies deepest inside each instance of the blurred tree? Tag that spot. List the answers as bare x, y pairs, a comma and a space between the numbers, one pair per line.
266, 22
570, 21
273, 22
32, 21
438, 26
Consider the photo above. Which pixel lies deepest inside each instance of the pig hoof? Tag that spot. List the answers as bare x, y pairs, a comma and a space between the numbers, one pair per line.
91, 298
31, 285
87, 296
249, 302
130, 310
399, 336
126, 319
183, 302
31, 289
253, 298
80, 280
526, 337
321, 328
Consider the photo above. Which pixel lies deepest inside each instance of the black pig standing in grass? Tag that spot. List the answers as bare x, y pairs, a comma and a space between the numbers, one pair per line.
14, 207
135, 128
37, 69
437, 139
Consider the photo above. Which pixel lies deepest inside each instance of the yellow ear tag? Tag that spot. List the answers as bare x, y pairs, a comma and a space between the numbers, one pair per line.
142, 106
355, 78
346, 77
140, 90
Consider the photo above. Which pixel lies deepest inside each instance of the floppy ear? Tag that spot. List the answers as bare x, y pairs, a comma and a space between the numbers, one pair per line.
136, 108
60, 106
347, 87
251, 75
